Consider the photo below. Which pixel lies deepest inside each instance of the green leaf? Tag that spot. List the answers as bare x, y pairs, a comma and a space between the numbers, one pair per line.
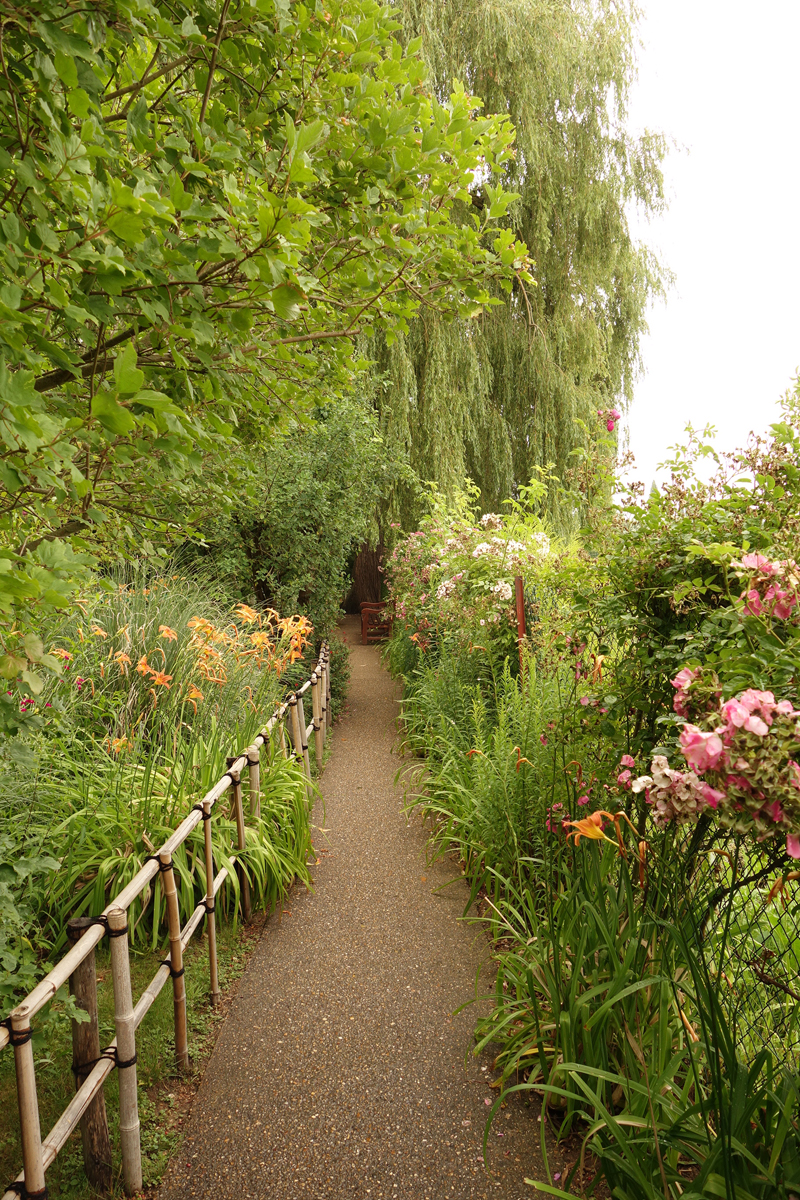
112, 416
127, 375
33, 647
35, 682
286, 300
11, 665
66, 69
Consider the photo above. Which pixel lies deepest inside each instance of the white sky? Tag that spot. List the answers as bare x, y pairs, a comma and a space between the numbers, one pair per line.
722, 79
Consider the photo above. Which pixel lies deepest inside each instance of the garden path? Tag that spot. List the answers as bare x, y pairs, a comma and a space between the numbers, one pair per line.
340, 1071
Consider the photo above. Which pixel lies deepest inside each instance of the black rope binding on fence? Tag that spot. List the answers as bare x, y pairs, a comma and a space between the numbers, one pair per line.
199, 808
209, 907
111, 1053
103, 920
166, 962
19, 1187
16, 1037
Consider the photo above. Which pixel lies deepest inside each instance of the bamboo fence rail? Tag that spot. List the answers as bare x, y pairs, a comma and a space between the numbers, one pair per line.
38, 1153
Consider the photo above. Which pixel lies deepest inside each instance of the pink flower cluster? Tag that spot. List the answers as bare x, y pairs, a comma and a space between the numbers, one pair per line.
610, 416
674, 795
746, 751
772, 587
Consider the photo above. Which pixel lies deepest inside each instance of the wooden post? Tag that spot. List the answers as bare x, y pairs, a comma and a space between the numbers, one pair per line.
129, 1133
211, 922
328, 709
176, 968
519, 593
253, 765
85, 1053
316, 707
323, 697
237, 812
282, 737
294, 729
32, 1160
306, 761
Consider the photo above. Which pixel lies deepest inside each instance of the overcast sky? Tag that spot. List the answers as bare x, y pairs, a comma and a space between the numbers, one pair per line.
722, 79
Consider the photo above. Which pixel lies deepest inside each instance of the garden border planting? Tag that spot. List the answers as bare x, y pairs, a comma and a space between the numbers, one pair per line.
38, 1153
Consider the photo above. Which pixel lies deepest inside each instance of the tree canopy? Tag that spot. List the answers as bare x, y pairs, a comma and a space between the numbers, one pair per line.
519, 386
203, 206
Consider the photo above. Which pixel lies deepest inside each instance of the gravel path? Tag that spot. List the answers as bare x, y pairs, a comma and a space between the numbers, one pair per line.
340, 1070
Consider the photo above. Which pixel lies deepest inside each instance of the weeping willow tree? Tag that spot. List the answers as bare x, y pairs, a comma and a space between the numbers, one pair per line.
519, 386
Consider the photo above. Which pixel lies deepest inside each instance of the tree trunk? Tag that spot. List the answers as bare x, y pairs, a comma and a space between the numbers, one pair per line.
367, 579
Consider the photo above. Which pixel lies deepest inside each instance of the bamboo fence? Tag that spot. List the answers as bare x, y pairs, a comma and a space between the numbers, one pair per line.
92, 1067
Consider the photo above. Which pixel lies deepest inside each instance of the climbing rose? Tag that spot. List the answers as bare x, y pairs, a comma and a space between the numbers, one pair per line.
701, 750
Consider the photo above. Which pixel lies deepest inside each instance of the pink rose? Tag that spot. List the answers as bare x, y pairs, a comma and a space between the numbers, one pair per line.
624, 778
683, 679
627, 761
585, 800
753, 699
701, 750
774, 810
711, 796
735, 713
610, 425
785, 708
757, 562
793, 845
584, 701
754, 724
753, 605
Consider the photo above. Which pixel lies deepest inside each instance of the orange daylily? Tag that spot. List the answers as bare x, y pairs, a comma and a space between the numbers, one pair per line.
779, 886
160, 678
192, 695
143, 666
122, 661
168, 633
247, 613
64, 655
97, 631
591, 827
520, 759
120, 743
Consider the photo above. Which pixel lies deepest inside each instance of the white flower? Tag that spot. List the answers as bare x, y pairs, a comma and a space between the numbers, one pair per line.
481, 549
515, 548
491, 521
502, 590
541, 544
444, 589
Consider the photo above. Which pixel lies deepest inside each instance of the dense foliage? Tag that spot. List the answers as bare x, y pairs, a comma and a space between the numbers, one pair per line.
162, 679
517, 388
203, 208
624, 798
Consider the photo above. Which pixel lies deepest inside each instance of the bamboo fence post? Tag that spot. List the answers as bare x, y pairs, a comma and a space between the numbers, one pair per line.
328, 709
294, 729
129, 1132
238, 815
303, 731
282, 737
176, 967
316, 708
32, 1159
85, 1053
254, 769
211, 921
323, 697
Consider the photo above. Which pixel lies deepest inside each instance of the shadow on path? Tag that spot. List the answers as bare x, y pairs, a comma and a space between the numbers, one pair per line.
340, 1070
